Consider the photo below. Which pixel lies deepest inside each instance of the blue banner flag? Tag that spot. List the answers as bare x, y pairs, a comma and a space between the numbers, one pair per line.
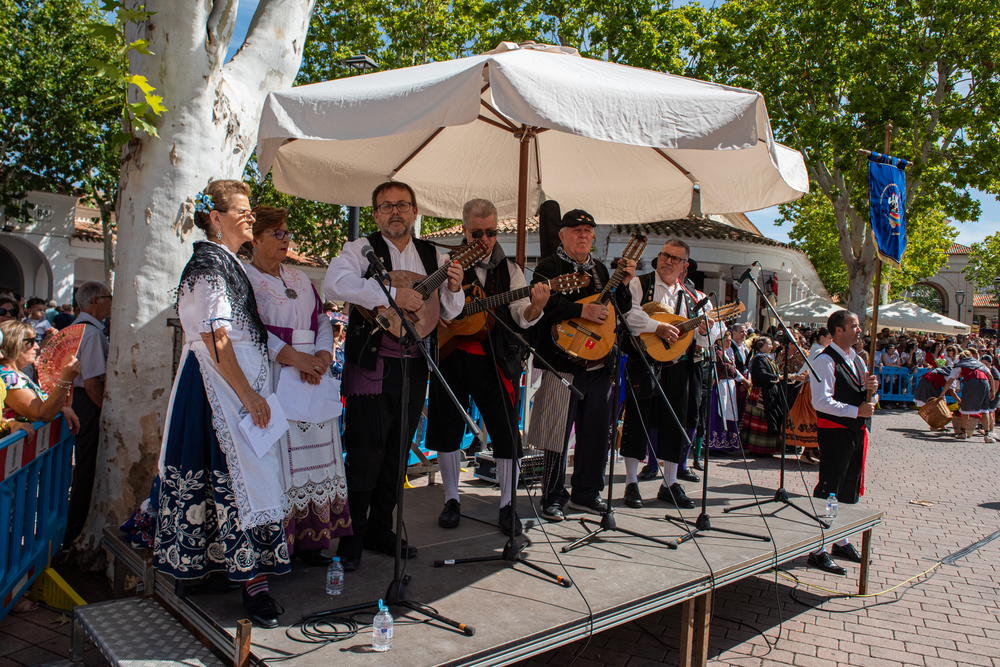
887, 197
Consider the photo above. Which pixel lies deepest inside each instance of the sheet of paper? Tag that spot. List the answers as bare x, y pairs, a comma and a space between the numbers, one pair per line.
262, 439
304, 402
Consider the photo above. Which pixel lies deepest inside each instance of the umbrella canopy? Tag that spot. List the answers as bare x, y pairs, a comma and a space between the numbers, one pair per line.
812, 310
906, 315
523, 124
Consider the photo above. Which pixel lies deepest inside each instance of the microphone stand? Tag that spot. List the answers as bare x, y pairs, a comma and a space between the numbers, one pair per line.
781, 495
512, 554
607, 522
703, 524
395, 596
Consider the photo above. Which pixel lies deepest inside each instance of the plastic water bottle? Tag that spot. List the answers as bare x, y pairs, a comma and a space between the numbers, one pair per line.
335, 577
382, 629
831, 506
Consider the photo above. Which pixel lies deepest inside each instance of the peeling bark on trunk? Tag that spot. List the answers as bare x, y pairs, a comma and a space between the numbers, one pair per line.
207, 133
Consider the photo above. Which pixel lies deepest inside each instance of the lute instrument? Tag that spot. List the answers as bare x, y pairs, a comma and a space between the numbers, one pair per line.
660, 350
425, 318
472, 324
587, 342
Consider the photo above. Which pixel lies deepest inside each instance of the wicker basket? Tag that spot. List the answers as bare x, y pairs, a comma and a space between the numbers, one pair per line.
936, 413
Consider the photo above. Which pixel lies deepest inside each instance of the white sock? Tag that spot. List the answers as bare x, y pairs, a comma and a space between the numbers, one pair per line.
842, 543
450, 463
669, 474
505, 468
631, 470
822, 550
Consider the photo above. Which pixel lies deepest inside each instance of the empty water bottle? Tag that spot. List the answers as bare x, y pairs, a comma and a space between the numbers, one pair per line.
335, 577
382, 629
831, 506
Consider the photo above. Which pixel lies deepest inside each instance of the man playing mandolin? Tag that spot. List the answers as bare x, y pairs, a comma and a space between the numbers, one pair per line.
372, 377
484, 370
681, 381
555, 409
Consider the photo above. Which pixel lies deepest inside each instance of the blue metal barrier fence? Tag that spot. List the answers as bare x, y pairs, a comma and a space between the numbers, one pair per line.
34, 496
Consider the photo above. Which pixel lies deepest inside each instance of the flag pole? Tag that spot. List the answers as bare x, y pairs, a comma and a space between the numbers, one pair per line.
878, 284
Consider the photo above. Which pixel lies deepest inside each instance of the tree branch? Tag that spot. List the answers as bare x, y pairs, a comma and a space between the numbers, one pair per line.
219, 29
276, 35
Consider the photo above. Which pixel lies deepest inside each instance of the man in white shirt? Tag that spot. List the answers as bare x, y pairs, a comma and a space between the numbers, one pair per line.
94, 299
681, 381
842, 414
372, 378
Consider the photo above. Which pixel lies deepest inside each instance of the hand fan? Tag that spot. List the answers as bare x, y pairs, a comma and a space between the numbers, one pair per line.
56, 354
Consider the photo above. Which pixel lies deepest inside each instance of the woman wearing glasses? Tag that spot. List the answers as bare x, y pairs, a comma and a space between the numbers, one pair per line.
26, 401
311, 455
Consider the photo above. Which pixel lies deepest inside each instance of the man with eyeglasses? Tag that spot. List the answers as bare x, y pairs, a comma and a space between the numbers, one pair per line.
681, 381
372, 377
94, 299
486, 371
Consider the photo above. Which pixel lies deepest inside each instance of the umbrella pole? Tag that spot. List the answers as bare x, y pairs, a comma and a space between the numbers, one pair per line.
524, 135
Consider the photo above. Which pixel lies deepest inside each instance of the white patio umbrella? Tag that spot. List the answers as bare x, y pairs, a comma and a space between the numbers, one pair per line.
523, 124
906, 315
811, 310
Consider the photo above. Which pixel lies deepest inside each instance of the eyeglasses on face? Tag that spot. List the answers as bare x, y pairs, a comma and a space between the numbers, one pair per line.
402, 207
479, 233
282, 234
673, 259
29, 343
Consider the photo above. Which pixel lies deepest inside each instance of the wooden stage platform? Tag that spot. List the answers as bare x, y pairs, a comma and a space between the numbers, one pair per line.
515, 611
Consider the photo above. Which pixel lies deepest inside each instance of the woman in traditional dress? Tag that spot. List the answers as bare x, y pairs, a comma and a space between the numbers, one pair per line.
765, 409
801, 422
977, 391
25, 401
311, 455
221, 505
723, 433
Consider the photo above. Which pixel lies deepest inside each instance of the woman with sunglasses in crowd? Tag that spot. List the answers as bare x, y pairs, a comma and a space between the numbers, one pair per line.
26, 401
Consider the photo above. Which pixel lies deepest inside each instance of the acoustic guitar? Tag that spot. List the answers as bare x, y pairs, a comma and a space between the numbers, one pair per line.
473, 325
587, 342
425, 319
668, 353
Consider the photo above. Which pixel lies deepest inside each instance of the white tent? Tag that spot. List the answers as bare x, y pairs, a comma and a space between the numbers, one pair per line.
811, 310
523, 124
906, 315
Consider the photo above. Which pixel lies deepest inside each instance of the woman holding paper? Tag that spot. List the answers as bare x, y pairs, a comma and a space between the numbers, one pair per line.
221, 504
311, 454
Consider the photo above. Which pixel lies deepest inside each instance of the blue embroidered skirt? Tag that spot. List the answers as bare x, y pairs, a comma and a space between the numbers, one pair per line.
197, 529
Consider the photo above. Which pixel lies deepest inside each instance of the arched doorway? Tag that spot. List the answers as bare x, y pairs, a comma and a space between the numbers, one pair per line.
931, 296
11, 273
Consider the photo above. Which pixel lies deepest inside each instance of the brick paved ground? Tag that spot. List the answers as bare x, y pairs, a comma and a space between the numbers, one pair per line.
951, 619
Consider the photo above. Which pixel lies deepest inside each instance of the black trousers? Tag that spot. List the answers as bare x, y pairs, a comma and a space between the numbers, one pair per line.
85, 464
592, 418
372, 426
644, 410
842, 452
475, 376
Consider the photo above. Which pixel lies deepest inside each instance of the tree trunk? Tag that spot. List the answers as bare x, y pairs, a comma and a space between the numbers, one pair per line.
207, 133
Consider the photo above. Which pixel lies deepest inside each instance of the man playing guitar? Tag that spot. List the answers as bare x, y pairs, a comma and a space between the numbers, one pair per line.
681, 381
480, 370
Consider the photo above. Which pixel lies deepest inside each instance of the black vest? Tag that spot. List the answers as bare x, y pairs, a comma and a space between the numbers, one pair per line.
508, 353
363, 338
848, 387
647, 284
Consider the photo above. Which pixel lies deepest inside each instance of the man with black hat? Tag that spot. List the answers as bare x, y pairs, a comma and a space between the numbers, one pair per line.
681, 381
556, 410
484, 370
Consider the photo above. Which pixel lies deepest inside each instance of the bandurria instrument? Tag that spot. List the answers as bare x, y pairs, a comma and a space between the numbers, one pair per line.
473, 325
587, 342
667, 353
425, 319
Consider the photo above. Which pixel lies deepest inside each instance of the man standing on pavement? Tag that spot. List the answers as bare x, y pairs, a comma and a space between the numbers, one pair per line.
94, 299
372, 378
843, 419
487, 371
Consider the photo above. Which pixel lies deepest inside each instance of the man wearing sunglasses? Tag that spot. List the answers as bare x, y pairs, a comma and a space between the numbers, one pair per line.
372, 377
681, 381
485, 371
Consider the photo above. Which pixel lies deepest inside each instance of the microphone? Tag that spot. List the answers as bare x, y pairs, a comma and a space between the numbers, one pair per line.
373, 259
746, 274
701, 304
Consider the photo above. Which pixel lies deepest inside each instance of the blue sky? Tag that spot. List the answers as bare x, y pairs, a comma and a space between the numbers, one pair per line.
968, 233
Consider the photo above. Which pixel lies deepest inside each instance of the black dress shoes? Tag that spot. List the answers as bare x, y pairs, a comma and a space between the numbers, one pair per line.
387, 546
675, 496
553, 513
451, 514
633, 498
350, 563
595, 506
696, 464
687, 475
847, 553
647, 473
506, 512
313, 557
262, 609
824, 562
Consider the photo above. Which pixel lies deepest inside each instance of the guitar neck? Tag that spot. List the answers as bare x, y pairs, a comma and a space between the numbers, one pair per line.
614, 282
433, 281
688, 325
491, 302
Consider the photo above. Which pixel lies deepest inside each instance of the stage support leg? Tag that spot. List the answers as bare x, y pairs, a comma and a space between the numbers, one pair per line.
703, 622
118, 589
687, 632
866, 558
242, 643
